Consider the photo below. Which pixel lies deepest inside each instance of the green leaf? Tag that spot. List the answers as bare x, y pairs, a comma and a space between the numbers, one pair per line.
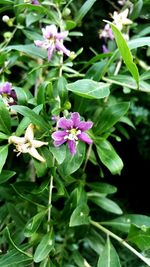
129, 82
136, 10
5, 122
3, 136
95, 240
80, 216
34, 223
133, 44
3, 156
44, 247
125, 53
28, 49
123, 223
106, 204
140, 236
103, 188
6, 2
21, 96
36, 119
109, 157
110, 116
6, 175
14, 258
84, 10
72, 163
89, 89
109, 257
16, 216
59, 153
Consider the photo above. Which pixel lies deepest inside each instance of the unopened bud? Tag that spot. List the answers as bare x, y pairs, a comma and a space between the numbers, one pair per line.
5, 18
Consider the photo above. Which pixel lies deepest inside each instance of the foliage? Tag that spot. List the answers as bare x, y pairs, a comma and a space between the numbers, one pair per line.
61, 113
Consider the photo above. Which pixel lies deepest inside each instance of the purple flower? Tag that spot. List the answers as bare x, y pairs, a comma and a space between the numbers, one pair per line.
106, 33
35, 2
53, 40
8, 95
73, 130
105, 49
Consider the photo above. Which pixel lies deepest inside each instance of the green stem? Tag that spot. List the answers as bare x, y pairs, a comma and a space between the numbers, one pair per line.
121, 241
87, 156
50, 200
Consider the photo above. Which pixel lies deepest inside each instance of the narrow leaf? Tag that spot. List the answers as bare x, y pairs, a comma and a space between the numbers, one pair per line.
84, 9
3, 156
109, 257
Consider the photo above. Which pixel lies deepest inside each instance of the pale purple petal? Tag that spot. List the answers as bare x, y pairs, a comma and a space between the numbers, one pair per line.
62, 35
72, 146
65, 123
6, 88
59, 135
105, 49
60, 47
49, 31
50, 51
59, 143
85, 138
75, 117
85, 125
35, 2
39, 43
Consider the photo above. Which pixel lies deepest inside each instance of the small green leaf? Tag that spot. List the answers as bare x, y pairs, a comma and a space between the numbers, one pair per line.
89, 89
109, 257
80, 216
35, 118
5, 122
106, 204
140, 236
59, 153
110, 116
21, 96
28, 49
125, 53
109, 157
84, 10
44, 247
72, 163
3, 156
6, 175
103, 188
34, 223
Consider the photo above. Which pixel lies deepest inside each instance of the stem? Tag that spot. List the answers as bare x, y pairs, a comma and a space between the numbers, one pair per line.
87, 156
121, 241
50, 200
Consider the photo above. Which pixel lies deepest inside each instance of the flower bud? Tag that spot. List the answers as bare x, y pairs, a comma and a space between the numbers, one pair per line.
5, 18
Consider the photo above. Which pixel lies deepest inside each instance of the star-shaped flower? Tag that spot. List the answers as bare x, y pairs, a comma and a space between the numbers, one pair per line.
27, 144
73, 130
53, 40
120, 19
8, 94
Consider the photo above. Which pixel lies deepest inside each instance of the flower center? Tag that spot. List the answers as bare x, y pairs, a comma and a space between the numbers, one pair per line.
73, 134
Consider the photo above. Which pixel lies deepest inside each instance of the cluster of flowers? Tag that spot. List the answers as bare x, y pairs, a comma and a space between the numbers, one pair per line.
71, 129
120, 20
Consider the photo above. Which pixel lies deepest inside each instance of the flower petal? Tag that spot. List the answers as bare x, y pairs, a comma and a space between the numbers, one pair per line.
49, 31
72, 146
35, 154
85, 125
65, 123
59, 135
60, 47
39, 43
85, 138
75, 117
37, 143
59, 143
62, 35
16, 140
50, 52
29, 134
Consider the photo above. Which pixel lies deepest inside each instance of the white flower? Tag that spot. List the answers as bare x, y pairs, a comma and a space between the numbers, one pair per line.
27, 144
120, 19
